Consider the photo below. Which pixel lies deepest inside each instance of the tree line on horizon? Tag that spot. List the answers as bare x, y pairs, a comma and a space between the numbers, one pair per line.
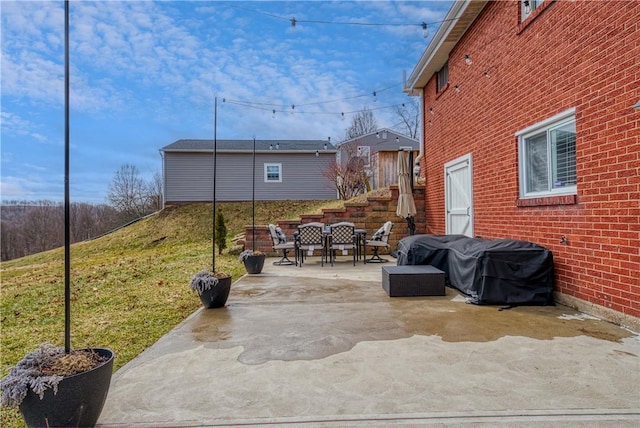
29, 227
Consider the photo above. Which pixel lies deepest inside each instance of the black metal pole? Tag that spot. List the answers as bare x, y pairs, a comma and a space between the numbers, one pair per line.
67, 231
215, 142
253, 199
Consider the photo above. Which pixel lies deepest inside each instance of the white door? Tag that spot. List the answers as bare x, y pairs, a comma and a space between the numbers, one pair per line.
458, 188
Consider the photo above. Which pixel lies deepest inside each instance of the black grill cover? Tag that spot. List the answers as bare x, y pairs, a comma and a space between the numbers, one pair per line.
490, 272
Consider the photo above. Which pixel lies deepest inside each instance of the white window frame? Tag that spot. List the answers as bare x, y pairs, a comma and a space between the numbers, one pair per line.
546, 126
442, 77
266, 174
533, 4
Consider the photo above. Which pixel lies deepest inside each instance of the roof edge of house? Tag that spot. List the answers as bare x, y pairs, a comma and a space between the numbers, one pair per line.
455, 24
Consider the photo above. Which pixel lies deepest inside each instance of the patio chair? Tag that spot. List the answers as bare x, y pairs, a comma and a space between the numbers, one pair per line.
310, 237
379, 240
342, 237
280, 243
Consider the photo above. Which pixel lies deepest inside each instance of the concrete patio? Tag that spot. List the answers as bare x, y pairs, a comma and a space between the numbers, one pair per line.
325, 346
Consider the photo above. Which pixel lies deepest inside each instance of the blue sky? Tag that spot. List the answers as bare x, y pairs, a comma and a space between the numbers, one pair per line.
144, 74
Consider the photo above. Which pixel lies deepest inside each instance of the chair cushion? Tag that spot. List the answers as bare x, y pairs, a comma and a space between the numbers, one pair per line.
378, 235
282, 238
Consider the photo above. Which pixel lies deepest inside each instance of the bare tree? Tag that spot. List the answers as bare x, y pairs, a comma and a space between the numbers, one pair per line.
409, 115
89, 221
349, 177
362, 123
32, 227
128, 193
155, 192
42, 227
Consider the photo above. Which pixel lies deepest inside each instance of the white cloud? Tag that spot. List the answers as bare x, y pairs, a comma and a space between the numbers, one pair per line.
145, 73
11, 188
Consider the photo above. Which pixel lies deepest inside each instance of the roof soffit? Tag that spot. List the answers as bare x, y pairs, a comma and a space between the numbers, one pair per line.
458, 19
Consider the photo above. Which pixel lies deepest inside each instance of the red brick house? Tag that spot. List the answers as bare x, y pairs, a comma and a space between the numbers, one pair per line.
531, 130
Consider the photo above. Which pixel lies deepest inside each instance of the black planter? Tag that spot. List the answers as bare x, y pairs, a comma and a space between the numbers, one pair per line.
254, 264
216, 297
78, 402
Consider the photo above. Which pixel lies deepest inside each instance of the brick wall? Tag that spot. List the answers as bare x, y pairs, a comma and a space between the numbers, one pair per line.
571, 54
369, 215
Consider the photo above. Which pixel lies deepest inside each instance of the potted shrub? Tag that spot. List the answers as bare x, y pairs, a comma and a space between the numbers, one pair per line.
212, 287
52, 387
253, 260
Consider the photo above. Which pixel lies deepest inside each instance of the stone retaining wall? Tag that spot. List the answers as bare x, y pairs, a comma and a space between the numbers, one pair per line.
369, 215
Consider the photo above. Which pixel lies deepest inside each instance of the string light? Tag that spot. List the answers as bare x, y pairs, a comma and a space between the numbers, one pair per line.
315, 112
423, 25
467, 60
295, 108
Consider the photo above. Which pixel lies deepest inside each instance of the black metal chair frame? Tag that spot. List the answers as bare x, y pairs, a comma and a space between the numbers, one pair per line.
342, 236
284, 246
310, 235
375, 257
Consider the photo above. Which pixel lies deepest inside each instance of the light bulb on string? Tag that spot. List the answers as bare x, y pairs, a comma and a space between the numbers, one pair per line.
342, 116
425, 30
293, 109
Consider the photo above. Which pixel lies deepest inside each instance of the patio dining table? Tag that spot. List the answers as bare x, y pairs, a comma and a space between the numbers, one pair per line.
361, 237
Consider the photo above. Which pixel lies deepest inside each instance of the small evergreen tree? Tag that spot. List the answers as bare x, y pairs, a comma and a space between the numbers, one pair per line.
221, 232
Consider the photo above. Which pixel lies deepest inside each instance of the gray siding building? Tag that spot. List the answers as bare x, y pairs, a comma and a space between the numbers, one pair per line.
378, 152
284, 170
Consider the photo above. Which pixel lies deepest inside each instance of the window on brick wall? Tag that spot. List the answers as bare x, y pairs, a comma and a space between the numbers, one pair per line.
547, 157
273, 173
443, 77
527, 7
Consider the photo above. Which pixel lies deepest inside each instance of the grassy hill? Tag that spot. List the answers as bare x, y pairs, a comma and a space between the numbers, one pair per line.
129, 287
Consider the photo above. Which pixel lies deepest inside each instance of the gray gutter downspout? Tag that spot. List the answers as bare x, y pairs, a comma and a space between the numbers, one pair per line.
421, 127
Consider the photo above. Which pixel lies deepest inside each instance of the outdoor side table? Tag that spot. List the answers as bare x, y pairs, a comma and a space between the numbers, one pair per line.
410, 281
